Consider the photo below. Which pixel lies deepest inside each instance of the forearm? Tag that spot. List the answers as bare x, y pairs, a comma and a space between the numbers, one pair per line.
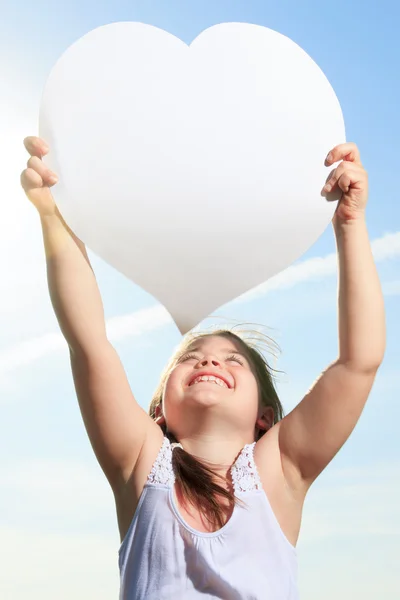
361, 307
72, 285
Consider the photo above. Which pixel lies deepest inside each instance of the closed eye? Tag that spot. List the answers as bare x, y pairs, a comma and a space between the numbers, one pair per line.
191, 356
234, 357
188, 357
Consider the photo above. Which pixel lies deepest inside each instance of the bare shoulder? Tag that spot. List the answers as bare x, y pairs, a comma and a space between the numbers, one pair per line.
283, 486
128, 492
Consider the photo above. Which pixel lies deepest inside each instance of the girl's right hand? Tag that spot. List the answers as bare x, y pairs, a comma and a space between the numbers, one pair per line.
37, 179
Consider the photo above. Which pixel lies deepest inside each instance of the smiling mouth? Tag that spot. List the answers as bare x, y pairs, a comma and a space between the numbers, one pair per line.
209, 379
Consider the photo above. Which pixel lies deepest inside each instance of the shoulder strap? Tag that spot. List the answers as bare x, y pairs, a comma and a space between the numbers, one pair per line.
162, 472
245, 477
244, 473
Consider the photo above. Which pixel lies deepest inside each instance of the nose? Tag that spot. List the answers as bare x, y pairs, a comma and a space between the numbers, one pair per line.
209, 360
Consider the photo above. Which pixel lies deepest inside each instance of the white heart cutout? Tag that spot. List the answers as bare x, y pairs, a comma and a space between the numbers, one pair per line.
194, 170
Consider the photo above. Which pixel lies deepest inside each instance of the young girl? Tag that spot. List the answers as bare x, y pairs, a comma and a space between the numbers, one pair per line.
209, 488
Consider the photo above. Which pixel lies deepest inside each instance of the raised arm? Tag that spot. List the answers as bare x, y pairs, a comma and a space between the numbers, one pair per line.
116, 425
312, 434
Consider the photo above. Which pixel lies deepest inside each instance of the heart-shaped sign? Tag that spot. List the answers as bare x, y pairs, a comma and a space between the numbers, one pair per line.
194, 170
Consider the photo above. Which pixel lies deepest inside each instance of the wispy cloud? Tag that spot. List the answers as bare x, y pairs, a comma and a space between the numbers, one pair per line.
137, 323
28, 351
391, 288
151, 319
118, 328
384, 248
337, 493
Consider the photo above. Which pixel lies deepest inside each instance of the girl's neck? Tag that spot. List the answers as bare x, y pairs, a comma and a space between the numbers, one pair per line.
218, 451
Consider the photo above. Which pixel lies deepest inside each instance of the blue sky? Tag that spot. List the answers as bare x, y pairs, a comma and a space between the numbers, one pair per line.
57, 518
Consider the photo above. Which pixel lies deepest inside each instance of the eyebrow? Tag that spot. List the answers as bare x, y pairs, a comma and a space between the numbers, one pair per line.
225, 350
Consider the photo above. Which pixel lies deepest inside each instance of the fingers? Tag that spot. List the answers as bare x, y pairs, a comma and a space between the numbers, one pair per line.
48, 177
35, 146
344, 182
37, 179
348, 152
345, 175
30, 180
37, 175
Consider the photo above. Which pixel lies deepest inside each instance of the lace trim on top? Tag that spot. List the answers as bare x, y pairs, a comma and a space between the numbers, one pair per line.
245, 477
162, 471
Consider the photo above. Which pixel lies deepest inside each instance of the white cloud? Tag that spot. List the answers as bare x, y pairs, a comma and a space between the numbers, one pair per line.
334, 508
137, 323
26, 352
384, 248
118, 328
391, 288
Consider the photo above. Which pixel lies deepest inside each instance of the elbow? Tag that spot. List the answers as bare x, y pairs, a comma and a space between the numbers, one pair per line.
367, 359
367, 365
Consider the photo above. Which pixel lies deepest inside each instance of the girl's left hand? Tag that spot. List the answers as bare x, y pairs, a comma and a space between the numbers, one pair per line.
349, 178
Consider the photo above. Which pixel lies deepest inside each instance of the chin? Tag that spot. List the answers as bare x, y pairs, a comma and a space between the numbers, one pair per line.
206, 398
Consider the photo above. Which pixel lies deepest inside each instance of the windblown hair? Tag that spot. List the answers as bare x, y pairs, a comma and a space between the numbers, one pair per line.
197, 482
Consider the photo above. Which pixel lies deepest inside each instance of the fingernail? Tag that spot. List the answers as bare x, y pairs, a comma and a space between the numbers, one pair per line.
329, 158
42, 150
327, 187
53, 179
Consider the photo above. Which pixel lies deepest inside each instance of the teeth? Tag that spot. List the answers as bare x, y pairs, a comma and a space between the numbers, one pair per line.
216, 380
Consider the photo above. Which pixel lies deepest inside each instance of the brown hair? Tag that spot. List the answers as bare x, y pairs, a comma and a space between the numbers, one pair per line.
197, 481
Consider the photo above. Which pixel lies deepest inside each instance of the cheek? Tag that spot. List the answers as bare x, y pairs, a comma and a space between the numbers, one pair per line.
250, 388
172, 391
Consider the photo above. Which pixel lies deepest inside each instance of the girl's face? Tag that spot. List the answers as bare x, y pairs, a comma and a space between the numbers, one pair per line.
211, 380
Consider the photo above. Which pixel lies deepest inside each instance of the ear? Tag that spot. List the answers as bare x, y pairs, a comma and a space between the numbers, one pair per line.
265, 418
160, 419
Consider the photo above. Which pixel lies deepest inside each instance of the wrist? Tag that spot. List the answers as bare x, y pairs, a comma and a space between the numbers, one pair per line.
342, 225
350, 234
53, 219
49, 220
